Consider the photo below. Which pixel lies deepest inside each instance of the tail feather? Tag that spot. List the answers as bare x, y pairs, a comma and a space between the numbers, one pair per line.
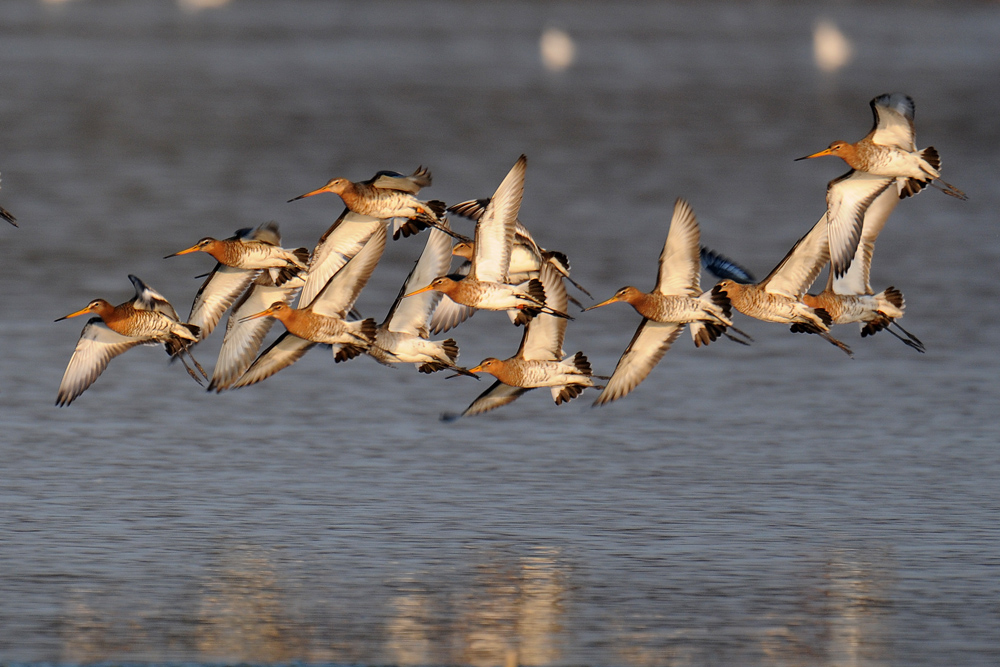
581, 363
523, 315
561, 260
302, 255
720, 298
567, 393
421, 177
703, 333
895, 297
912, 187
368, 329
176, 344
364, 331
875, 325
432, 367
429, 216
347, 351
450, 348
437, 208
570, 391
535, 290
425, 220
409, 228
287, 273
824, 316
930, 154
472, 209
806, 327
891, 305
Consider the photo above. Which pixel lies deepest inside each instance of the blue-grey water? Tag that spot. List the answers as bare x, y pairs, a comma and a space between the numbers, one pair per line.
780, 504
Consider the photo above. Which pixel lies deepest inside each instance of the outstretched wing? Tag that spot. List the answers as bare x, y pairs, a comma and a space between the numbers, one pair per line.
147, 298
342, 290
449, 314
392, 180
847, 200
243, 339
410, 315
650, 342
496, 396
495, 230
222, 287
543, 335
265, 233
284, 352
800, 267
680, 261
894, 121
342, 241
97, 346
855, 280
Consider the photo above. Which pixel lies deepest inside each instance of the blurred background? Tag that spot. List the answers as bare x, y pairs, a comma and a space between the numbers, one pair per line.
780, 504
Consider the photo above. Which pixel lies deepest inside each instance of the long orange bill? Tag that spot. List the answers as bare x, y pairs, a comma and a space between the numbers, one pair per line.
263, 313
193, 248
82, 311
419, 291
603, 303
825, 151
308, 194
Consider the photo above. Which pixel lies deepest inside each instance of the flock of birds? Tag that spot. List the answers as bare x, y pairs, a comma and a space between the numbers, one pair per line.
503, 268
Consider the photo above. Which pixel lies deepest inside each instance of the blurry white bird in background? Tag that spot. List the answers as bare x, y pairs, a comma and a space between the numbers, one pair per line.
557, 49
831, 49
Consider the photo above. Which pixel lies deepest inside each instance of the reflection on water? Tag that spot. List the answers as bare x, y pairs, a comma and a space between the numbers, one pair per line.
92, 632
239, 613
842, 616
243, 614
511, 614
496, 609
859, 603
